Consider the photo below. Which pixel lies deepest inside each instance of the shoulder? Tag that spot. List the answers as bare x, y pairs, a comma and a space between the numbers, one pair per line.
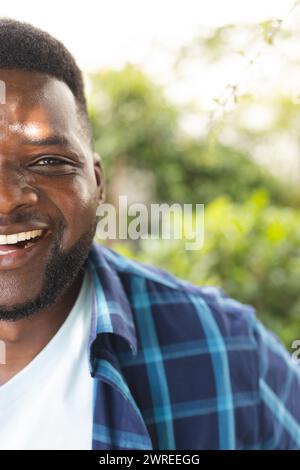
187, 333
170, 297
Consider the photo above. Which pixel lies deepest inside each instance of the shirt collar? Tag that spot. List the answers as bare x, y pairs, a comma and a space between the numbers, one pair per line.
111, 310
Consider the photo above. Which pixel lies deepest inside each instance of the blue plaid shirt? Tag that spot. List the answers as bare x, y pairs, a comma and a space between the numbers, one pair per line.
177, 366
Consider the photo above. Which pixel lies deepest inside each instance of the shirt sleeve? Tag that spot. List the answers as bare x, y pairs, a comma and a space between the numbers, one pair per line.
279, 392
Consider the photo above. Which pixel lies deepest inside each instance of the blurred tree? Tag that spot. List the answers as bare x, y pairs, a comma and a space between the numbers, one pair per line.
136, 128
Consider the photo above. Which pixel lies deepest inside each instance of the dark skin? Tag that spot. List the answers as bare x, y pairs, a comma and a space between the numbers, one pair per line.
67, 189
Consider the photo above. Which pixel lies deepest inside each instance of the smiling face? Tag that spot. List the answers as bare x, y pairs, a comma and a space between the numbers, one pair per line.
50, 184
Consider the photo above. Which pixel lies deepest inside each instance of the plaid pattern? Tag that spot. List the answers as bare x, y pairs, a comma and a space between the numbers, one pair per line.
182, 367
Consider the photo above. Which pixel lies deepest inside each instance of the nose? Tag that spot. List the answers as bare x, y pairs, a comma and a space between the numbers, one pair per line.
15, 193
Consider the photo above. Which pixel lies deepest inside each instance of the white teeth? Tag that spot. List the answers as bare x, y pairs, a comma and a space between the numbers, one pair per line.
12, 239
19, 237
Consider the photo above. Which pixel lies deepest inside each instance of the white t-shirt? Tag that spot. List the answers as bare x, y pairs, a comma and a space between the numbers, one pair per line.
49, 403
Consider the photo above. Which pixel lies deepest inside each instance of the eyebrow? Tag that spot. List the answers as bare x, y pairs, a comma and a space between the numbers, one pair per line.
48, 141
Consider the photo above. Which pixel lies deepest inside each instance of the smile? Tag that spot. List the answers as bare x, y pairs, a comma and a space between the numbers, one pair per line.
19, 248
15, 241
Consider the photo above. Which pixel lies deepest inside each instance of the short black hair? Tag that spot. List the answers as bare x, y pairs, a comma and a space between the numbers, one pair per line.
25, 47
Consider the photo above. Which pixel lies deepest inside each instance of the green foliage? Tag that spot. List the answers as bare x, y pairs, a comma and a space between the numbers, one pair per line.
251, 250
136, 127
132, 121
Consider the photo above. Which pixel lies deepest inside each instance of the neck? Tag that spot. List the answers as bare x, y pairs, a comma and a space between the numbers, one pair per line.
25, 338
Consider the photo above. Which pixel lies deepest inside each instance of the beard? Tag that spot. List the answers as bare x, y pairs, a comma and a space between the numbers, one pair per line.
61, 271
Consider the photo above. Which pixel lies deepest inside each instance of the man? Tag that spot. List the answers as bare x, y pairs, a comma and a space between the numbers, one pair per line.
102, 352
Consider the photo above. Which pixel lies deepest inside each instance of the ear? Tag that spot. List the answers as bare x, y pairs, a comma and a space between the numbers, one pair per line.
99, 175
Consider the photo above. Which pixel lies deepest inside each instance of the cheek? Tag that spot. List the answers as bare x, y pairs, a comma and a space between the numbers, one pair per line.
76, 200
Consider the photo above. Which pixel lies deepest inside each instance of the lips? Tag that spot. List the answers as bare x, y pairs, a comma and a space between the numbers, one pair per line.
19, 247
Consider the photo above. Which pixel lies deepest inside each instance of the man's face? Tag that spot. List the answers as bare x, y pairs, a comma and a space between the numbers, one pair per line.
49, 182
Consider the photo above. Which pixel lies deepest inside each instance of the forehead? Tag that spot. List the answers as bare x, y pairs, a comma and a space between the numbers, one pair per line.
36, 103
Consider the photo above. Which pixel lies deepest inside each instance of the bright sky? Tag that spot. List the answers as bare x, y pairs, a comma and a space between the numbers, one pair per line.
108, 33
